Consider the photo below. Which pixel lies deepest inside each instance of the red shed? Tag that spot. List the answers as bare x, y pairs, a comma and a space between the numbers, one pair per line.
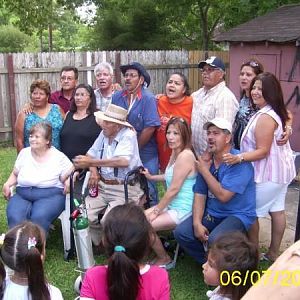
274, 39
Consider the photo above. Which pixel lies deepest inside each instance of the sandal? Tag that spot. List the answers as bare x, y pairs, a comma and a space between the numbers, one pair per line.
264, 257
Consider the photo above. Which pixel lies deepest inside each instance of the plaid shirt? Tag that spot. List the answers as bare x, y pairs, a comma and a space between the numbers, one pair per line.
218, 101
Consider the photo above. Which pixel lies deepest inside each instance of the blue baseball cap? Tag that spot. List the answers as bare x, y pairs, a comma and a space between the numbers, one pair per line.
137, 66
214, 62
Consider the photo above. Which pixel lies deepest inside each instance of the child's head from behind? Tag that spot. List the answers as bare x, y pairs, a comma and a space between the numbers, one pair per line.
231, 252
126, 238
127, 226
20, 242
23, 251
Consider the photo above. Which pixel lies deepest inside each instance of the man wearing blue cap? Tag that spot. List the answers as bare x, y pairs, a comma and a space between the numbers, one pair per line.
142, 115
213, 100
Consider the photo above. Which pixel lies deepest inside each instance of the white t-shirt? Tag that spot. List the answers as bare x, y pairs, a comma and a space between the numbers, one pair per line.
15, 291
41, 175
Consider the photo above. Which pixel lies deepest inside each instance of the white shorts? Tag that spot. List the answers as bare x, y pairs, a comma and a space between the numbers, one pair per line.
175, 216
270, 197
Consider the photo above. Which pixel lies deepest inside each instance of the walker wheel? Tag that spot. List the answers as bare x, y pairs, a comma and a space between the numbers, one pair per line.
77, 284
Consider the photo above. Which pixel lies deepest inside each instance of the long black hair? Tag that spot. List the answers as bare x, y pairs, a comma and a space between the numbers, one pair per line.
92, 106
126, 241
272, 93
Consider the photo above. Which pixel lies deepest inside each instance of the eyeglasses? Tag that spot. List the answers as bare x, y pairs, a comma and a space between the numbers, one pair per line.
65, 78
209, 70
130, 75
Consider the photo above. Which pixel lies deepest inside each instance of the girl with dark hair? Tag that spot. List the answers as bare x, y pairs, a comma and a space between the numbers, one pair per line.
230, 253
80, 129
126, 239
176, 102
180, 177
23, 251
274, 166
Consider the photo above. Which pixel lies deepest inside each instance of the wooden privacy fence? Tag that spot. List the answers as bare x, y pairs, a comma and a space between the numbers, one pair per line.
18, 70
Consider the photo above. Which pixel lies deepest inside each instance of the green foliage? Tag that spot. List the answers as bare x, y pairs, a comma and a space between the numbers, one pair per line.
12, 39
131, 25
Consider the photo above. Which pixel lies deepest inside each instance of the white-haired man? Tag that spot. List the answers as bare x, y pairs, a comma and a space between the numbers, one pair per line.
104, 74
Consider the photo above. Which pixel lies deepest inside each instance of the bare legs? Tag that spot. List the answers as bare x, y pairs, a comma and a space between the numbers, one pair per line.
278, 220
162, 222
278, 223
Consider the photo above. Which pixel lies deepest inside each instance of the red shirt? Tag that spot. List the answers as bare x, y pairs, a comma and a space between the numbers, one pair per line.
166, 111
58, 98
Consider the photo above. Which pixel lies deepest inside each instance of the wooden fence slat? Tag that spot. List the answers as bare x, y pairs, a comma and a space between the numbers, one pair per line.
30, 66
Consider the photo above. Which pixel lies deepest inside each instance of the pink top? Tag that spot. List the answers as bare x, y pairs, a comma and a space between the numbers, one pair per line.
154, 284
279, 165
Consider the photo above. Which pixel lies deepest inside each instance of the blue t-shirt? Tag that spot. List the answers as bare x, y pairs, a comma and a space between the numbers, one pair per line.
239, 179
142, 114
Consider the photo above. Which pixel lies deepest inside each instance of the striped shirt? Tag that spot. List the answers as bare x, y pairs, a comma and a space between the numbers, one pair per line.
279, 165
218, 101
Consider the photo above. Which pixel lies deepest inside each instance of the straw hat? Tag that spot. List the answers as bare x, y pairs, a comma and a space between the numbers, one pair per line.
113, 113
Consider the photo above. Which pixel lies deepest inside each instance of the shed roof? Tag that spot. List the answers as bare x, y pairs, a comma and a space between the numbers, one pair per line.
278, 26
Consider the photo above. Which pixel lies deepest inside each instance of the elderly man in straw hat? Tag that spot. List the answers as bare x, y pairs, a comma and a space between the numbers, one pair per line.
114, 153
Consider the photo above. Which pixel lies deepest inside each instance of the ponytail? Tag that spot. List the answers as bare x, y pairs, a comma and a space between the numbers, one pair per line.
123, 277
34, 270
126, 239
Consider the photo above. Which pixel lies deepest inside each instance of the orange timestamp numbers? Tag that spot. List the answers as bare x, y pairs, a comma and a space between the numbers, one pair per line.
271, 277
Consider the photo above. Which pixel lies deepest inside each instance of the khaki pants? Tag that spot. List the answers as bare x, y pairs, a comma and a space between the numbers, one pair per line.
108, 197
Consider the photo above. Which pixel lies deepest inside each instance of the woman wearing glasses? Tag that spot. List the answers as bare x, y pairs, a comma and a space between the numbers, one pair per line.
176, 102
180, 176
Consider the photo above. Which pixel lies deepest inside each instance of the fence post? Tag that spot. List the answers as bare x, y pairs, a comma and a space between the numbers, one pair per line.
12, 96
117, 67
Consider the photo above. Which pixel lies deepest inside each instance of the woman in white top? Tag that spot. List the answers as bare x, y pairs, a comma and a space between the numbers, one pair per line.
23, 251
40, 173
274, 166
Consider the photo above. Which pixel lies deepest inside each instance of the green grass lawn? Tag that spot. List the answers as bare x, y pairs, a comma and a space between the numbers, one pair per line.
186, 280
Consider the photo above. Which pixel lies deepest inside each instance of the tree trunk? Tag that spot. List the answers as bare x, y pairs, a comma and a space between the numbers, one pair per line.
50, 38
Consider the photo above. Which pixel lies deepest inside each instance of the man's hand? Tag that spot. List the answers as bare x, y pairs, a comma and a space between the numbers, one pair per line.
201, 232
82, 161
203, 163
284, 137
94, 178
28, 108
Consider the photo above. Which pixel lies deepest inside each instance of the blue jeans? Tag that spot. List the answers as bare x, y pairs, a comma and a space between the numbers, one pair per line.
152, 165
38, 205
184, 233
